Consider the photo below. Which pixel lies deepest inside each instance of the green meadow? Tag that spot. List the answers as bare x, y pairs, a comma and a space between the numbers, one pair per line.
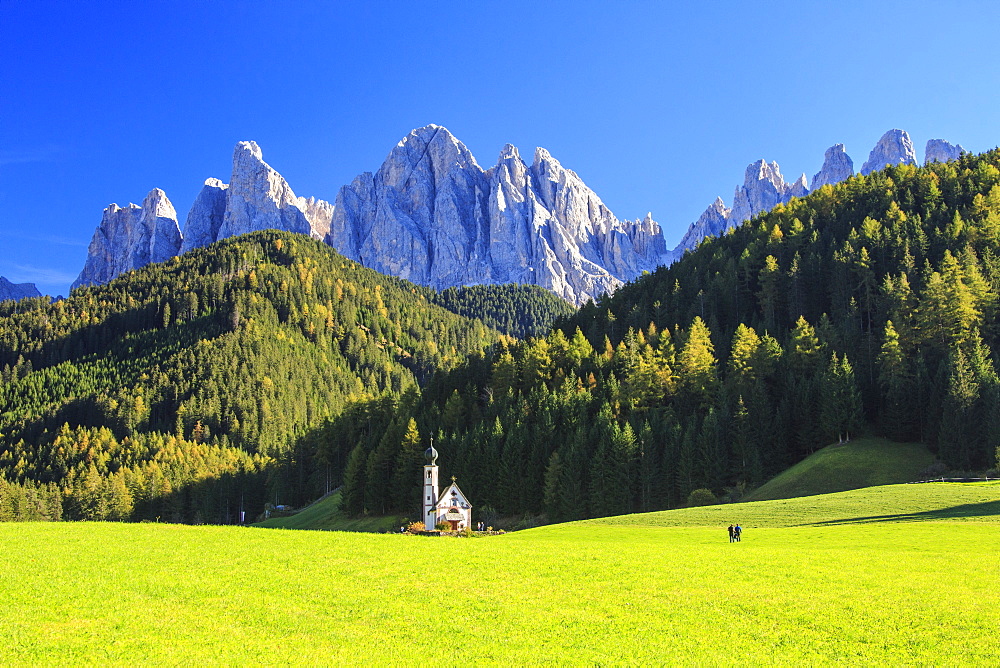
901, 574
862, 462
325, 514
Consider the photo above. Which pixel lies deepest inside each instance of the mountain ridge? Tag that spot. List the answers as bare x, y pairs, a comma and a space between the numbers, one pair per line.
17, 291
433, 215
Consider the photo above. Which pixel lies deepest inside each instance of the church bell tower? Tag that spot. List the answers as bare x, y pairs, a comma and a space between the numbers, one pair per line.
430, 488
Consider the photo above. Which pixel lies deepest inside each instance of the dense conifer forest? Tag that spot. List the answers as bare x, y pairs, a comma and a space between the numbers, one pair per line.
518, 310
181, 390
869, 305
268, 368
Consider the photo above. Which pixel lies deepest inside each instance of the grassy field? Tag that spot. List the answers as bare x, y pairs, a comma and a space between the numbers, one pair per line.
863, 462
904, 574
325, 515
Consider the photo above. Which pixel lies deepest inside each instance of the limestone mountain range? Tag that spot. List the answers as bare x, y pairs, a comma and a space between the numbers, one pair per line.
431, 214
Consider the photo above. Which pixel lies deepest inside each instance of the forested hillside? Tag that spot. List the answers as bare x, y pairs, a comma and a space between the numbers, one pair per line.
518, 310
269, 367
181, 390
870, 305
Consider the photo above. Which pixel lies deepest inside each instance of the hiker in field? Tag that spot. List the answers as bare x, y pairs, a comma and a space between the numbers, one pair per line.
737, 530
732, 533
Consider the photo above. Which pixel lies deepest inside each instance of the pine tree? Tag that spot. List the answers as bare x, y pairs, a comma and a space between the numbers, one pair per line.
895, 382
840, 407
352, 494
405, 492
553, 489
771, 290
987, 410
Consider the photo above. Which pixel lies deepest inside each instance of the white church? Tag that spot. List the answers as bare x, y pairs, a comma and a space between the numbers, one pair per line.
450, 506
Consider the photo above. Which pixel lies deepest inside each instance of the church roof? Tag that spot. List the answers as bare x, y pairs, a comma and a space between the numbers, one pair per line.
445, 495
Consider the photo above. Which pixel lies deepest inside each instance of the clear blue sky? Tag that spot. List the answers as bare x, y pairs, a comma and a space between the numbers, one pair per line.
659, 106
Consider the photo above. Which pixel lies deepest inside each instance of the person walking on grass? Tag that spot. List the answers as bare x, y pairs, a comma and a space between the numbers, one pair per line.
737, 531
732, 533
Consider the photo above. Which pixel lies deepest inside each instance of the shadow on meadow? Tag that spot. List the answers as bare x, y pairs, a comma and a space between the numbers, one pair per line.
963, 511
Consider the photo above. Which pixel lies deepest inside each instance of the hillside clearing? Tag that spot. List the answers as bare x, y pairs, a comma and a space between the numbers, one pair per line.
863, 462
325, 515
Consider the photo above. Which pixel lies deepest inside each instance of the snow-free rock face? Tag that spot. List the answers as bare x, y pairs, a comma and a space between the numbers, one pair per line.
259, 198
763, 188
420, 216
131, 237
206, 215
17, 291
256, 198
895, 147
938, 150
712, 223
798, 188
837, 166
319, 213
432, 215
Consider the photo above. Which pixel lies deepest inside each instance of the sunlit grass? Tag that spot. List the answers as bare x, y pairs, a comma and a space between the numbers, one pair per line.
978, 502
326, 515
862, 462
619, 590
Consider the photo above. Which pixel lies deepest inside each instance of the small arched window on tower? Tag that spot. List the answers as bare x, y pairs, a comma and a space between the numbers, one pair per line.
428, 474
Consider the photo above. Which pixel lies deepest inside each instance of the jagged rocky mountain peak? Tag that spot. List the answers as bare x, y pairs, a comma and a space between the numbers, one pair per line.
259, 198
761, 170
763, 187
430, 141
256, 198
17, 291
837, 166
543, 155
431, 214
798, 188
425, 156
511, 157
939, 150
894, 147
424, 134
204, 220
159, 204
509, 152
711, 223
130, 238
248, 148
546, 166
